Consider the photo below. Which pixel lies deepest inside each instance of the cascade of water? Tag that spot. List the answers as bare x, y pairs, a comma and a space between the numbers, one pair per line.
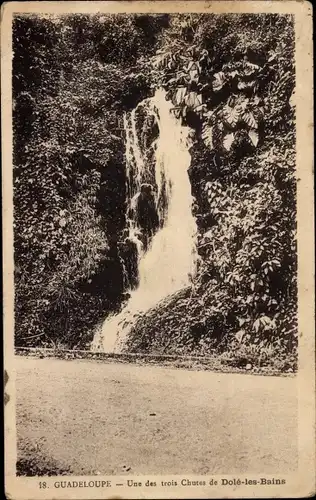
169, 262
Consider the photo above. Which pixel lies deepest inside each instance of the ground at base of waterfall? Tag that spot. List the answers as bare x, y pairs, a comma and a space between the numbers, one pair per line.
224, 363
84, 417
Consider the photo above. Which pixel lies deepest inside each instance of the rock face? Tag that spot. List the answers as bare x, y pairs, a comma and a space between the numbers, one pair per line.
146, 214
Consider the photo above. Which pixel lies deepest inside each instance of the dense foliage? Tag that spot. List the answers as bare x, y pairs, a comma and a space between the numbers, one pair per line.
235, 91
231, 79
72, 80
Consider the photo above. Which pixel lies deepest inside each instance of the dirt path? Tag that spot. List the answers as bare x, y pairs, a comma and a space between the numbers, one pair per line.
95, 417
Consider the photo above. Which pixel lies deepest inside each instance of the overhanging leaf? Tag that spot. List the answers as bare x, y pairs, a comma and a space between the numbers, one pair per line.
219, 81
292, 100
193, 100
250, 68
176, 112
193, 66
249, 118
200, 109
254, 137
180, 95
160, 60
228, 141
272, 57
184, 111
242, 85
239, 335
232, 114
256, 325
207, 136
194, 70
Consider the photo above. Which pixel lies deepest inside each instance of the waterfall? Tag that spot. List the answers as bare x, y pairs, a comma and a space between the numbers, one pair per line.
168, 263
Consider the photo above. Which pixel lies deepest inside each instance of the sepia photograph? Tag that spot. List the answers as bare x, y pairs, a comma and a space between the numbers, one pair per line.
159, 251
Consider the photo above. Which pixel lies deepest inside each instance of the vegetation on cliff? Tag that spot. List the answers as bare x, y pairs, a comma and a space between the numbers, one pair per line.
73, 78
231, 79
235, 91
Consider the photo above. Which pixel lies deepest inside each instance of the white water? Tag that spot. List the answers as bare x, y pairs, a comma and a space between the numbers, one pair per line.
170, 260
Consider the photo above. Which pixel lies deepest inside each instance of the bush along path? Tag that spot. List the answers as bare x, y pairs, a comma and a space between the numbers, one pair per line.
214, 362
